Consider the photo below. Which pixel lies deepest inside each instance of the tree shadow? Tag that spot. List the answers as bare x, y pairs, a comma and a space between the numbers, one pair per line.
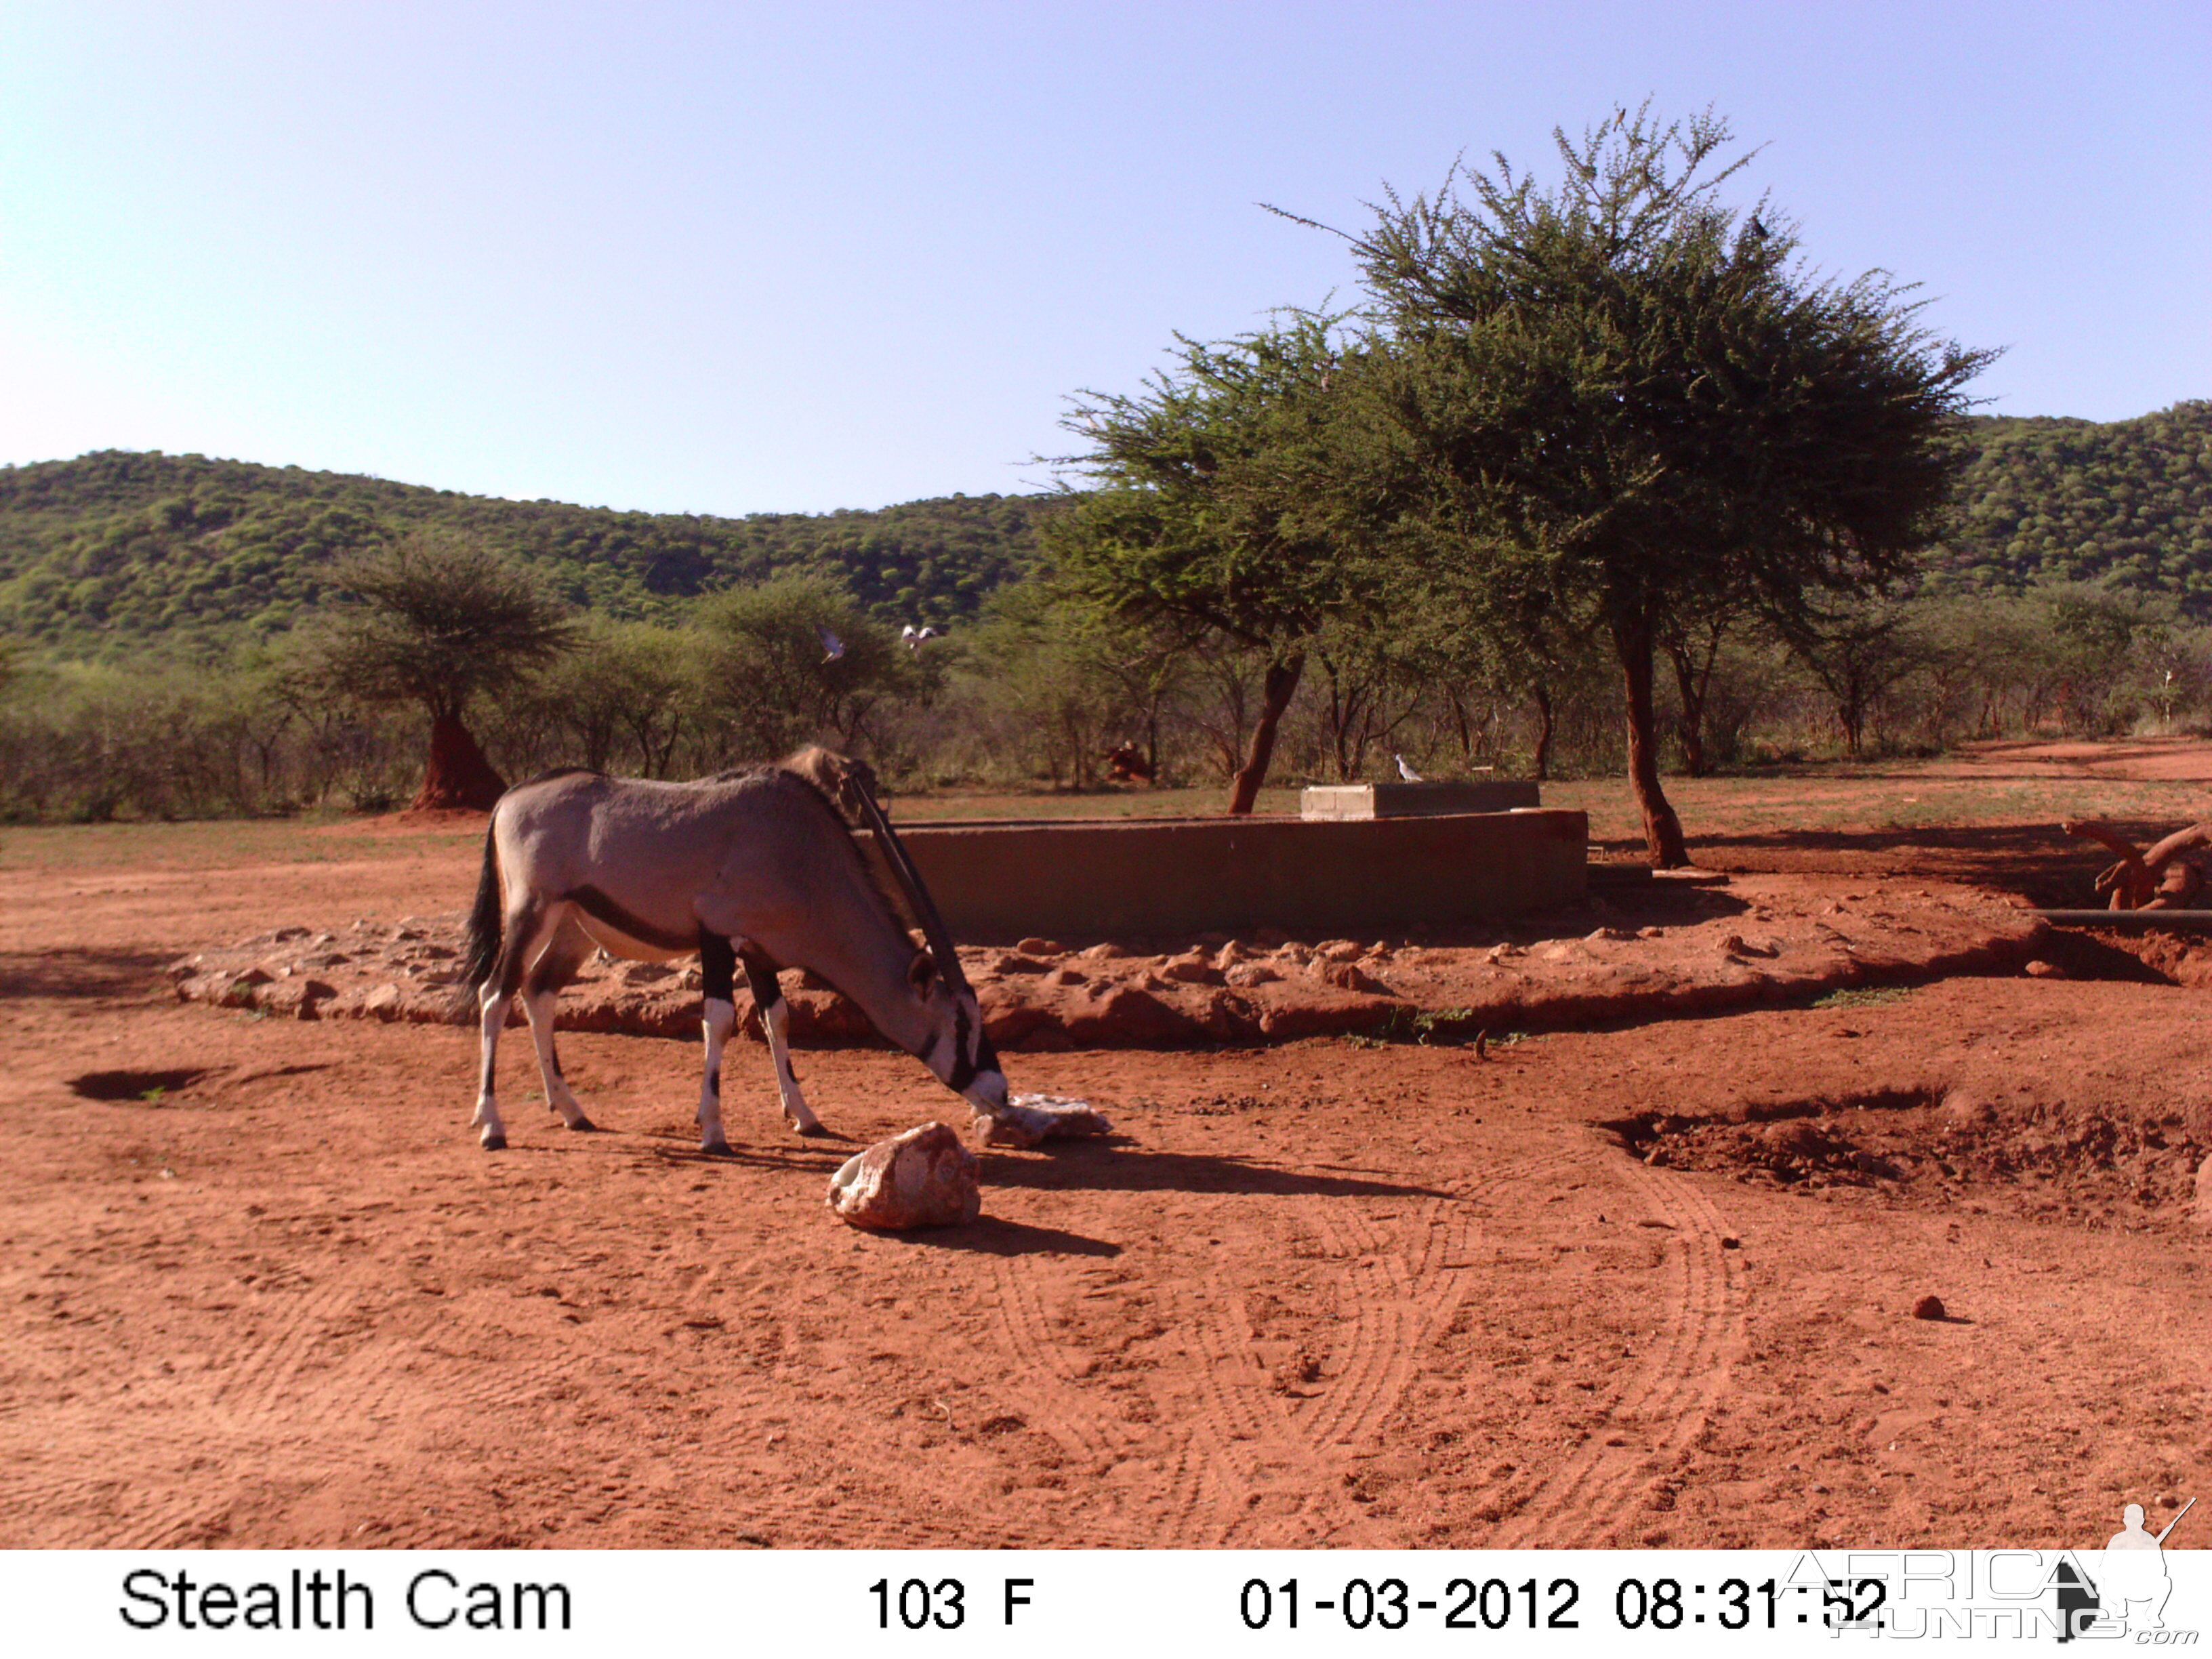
71, 972
1678, 904
1111, 1165
1100, 1166
990, 1235
2038, 860
816, 1156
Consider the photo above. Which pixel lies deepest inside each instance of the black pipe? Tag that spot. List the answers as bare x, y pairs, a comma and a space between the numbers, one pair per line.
2132, 922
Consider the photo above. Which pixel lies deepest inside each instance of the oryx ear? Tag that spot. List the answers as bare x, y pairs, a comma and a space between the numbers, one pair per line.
920, 972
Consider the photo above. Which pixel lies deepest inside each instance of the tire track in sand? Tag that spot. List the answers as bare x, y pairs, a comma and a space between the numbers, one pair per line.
1404, 1273
133, 1500
1249, 1465
1264, 1484
250, 1390
1046, 1381
1663, 1405
1406, 1287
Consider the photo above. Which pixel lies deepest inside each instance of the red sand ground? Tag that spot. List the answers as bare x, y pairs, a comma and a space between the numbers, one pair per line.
1633, 1285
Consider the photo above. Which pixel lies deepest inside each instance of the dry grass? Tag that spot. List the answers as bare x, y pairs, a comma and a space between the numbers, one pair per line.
1893, 796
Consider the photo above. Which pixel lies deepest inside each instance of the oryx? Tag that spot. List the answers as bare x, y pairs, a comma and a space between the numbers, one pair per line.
756, 867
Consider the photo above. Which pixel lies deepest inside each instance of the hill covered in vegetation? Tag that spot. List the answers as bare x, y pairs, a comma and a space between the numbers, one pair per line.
102, 554
2128, 502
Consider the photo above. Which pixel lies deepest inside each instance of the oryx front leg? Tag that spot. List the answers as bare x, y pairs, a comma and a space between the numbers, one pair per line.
776, 1020
537, 1006
721, 1015
717, 980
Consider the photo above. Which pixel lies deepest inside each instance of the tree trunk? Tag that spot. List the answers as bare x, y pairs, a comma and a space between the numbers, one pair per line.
1663, 830
1853, 724
459, 776
1546, 722
1280, 685
1692, 686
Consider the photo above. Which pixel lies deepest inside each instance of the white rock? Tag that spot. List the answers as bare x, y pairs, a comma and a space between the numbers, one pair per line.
923, 1178
1029, 1119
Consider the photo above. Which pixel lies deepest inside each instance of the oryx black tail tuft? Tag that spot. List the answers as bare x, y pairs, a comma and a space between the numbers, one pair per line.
480, 945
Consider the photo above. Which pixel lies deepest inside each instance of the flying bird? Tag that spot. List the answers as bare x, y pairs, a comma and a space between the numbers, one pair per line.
1407, 772
831, 645
913, 636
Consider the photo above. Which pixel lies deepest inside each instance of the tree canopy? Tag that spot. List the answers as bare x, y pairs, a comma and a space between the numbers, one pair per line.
1622, 393
1210, 507
438, 620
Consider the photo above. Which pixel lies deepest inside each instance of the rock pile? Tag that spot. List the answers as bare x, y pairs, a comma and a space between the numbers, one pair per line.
1040, 995
1762, 939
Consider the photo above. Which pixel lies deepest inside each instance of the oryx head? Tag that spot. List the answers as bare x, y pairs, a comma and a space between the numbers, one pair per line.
958, 1049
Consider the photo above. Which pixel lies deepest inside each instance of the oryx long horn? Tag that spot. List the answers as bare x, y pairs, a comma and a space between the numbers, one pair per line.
933, 925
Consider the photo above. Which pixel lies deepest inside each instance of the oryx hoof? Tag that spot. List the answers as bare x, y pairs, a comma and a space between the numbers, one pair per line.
584, 1126
492, 1143
717, 1149
816, 1131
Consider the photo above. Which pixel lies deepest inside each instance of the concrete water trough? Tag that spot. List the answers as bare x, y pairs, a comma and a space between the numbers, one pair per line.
1089, 878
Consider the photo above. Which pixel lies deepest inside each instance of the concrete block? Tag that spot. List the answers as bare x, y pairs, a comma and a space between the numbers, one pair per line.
1338, 802
1107, 879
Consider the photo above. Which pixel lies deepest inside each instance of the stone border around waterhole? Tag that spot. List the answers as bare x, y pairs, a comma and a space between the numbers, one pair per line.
1782, 942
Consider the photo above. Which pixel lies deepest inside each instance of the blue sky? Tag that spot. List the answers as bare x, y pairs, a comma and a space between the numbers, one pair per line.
733, 258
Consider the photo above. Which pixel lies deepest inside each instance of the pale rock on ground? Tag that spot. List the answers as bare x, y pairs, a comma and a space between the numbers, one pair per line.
1029, 1120
922, 1178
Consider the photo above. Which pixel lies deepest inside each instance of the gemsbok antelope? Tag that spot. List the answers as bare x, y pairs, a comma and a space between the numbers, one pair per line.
755, 867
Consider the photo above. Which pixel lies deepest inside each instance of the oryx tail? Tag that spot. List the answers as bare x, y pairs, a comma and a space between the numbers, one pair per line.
480, 945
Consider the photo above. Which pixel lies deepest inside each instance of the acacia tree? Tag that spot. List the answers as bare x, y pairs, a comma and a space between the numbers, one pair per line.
772, 682
1860, 650
1206, 510
1621, 391
438, 619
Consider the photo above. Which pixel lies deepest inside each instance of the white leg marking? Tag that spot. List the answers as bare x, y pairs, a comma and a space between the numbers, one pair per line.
721, 1017
492, 1134
795, 1110
558, 1094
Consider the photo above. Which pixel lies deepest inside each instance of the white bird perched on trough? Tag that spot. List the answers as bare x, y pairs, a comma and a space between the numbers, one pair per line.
1407, 772
831, 645
913, 636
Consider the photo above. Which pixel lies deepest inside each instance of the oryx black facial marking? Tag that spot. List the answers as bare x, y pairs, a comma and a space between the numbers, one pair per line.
963, 1064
